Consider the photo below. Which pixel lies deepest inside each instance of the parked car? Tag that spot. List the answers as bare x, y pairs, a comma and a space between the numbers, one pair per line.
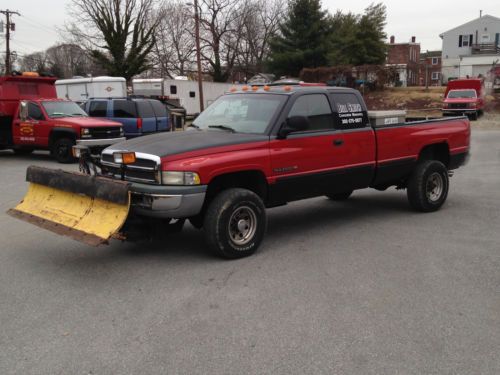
464, 97
252, 150
33, 118
139, 116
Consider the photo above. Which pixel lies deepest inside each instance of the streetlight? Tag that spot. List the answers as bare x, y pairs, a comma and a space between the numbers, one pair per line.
198, 50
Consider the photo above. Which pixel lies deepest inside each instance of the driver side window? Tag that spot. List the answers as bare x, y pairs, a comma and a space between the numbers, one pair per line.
35, 112
316, 108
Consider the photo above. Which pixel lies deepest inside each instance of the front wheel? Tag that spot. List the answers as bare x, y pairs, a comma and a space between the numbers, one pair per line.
235, 223
62, 150
428, 186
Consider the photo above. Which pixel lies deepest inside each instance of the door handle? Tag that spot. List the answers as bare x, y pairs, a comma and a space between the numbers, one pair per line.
338, 142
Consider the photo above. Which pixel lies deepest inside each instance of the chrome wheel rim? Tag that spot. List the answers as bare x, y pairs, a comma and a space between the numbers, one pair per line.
434, 187
242, 225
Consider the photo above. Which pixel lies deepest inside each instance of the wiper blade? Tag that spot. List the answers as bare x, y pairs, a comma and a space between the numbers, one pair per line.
193, 126
222, 127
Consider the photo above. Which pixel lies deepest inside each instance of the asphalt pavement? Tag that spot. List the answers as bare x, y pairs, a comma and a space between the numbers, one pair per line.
365, 286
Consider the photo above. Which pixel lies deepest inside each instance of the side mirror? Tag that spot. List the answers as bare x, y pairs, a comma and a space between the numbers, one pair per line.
294, 124
23, 111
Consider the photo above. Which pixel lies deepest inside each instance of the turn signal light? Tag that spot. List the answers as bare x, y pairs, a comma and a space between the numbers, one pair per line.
124, 157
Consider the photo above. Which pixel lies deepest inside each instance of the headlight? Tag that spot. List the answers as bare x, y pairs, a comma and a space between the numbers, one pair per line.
179, 178
124, 157
85, 133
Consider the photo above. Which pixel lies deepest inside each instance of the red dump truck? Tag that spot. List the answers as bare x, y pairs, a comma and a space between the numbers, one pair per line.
33, 118
464, 97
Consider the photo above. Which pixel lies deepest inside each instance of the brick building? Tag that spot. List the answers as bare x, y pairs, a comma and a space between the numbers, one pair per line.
430, 62
405, 58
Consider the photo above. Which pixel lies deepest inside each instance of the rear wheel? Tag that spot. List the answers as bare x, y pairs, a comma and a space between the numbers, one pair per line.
340, 196
428, 186
62, 150
235, 223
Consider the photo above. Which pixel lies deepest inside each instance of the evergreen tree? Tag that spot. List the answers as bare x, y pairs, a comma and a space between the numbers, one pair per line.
303, 39
372, 36
358, 39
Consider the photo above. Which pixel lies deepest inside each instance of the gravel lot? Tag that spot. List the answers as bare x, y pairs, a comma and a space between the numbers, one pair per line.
361, 287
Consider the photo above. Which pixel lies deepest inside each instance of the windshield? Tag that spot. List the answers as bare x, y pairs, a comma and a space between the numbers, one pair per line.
456, 94
63, 109
242, 113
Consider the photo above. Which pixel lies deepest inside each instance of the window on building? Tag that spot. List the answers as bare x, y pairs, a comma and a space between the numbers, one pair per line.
173, 89
465, 40
435, 60
192, 94
435, 76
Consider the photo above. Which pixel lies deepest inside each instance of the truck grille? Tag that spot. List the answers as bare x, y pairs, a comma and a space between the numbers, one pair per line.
143, 170
458, 105
105, 133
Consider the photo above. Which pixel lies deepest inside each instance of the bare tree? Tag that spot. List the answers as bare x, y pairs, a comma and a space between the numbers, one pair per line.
119, 34
261, 24
67, 60
222, 27
34, 62
174, 50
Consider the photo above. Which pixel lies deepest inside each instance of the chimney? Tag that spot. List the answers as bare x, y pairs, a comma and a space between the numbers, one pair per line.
393, 39
480, 13
413, 39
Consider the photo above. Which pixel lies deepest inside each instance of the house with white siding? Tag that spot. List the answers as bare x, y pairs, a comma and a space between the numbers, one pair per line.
471, 49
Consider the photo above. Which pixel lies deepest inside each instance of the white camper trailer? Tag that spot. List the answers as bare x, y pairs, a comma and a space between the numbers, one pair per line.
81, 89
183, 91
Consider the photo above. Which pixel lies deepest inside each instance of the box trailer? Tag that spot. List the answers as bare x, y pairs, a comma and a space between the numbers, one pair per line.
81, 89
184, 92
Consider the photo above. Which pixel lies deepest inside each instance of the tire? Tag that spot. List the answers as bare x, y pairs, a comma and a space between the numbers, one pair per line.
340, 196
62, 150
428, 186
235, 223
23, 151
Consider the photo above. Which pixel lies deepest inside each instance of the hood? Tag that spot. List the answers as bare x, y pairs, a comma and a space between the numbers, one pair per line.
85, 122
173, 143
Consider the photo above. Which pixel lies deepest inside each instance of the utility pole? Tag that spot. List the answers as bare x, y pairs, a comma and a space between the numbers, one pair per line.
198, 52
8, 26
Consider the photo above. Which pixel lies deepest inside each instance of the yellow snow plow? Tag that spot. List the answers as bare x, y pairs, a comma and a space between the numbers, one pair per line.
89, 209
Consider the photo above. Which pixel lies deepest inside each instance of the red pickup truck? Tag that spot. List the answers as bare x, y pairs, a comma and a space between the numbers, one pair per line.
263, 147
464, 97
32, 117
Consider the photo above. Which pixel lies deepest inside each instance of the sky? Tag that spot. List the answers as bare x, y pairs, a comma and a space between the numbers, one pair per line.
36, 28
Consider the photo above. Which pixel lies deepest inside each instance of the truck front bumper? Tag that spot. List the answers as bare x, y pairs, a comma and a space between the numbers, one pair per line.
167, 201
454, 111
99, 142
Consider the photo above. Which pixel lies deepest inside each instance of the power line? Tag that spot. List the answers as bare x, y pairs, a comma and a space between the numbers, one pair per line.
38, 25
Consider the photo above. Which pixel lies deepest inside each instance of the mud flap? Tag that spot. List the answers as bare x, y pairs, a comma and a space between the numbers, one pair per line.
86, 208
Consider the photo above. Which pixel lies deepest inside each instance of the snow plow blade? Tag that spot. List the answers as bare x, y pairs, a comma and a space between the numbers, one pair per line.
86, 208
